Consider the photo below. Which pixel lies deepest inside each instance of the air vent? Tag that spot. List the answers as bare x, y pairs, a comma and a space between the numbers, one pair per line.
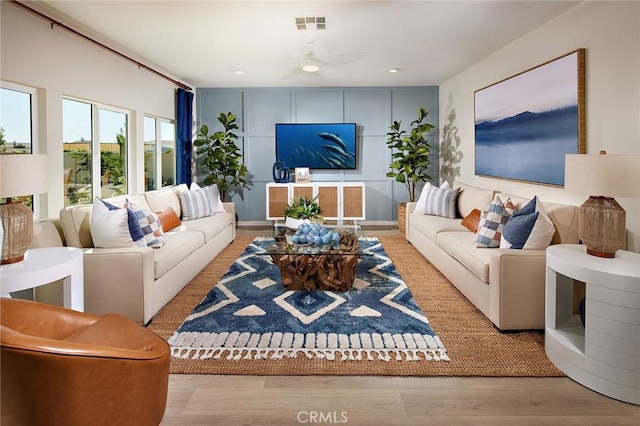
311, 23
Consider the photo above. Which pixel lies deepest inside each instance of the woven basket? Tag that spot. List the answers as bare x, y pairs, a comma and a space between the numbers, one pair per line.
402, 210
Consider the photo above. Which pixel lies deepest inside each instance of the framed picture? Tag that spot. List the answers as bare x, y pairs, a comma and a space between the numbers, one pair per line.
302, 174
526, 124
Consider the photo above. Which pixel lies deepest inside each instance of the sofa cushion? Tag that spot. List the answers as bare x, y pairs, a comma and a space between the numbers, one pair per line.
492, 221
75, 221
178, 245
529, 228
430, 226
460, 246
565, 220
210, 226
113, 227
163, 198
438, 201
472, 197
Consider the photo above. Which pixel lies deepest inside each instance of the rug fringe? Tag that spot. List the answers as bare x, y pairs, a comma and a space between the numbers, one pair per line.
329, 346
328, 354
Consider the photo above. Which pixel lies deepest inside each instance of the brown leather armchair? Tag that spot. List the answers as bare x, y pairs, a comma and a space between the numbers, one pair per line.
64, 367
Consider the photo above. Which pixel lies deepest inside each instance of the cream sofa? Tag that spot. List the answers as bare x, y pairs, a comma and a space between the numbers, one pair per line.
138, 281
506, 285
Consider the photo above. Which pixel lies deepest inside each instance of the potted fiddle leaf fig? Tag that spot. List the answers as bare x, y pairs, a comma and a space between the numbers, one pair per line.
410, 157
221, 156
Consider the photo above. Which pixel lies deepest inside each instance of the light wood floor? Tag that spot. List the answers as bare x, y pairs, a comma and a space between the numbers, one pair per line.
290, 400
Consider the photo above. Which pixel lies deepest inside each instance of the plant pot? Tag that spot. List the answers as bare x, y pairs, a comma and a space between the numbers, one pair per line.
402, 215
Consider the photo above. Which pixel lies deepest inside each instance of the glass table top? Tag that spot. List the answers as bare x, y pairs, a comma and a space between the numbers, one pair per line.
313, 240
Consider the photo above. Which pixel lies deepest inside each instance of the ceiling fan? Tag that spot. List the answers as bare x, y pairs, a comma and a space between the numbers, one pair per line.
312, 64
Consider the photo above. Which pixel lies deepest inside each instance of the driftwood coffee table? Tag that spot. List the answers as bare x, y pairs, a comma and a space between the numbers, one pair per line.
308, 268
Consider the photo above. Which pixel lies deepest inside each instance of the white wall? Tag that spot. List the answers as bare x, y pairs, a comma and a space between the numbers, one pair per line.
610, 33
59, 64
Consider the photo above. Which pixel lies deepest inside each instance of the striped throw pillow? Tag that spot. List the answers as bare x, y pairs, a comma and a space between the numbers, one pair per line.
195, 203
439, 201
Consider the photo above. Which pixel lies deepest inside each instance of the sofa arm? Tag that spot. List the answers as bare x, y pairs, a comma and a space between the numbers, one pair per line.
517, 289
411, 207
230, 207
119, 281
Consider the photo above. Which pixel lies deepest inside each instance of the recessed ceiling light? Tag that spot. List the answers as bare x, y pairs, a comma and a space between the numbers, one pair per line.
394, 70
239, 72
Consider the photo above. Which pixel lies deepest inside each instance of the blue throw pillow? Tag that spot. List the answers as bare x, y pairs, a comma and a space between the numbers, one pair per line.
528, 228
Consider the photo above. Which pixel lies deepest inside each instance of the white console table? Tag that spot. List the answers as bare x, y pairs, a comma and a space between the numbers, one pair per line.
604, 355
43, 266
339, 200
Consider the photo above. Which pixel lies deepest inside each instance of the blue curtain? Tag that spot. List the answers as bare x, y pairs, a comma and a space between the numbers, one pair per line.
184, 145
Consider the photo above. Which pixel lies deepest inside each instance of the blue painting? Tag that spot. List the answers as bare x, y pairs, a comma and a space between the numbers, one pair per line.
525, 125
317, 145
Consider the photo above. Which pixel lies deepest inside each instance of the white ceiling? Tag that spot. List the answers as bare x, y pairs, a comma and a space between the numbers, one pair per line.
203, 43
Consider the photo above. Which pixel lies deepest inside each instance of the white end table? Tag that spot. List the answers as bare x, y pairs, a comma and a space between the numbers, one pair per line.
604, 355
43, 266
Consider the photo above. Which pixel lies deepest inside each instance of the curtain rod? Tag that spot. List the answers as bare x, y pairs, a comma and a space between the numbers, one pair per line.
96, 42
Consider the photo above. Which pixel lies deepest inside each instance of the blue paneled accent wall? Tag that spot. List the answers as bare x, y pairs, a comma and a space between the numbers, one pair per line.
373, 109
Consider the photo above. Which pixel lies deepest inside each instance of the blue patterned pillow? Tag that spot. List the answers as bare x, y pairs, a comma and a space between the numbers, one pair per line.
492, 221
149, 223
438, 201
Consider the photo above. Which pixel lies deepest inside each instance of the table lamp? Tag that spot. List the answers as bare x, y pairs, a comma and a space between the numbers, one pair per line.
20, 175
602, 221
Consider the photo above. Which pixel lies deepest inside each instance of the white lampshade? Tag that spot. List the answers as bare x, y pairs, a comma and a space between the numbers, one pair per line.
602, 221
23, 174
20, 175
608, 175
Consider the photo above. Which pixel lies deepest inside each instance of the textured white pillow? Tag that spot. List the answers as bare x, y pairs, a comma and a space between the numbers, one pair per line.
109, 228
214, 198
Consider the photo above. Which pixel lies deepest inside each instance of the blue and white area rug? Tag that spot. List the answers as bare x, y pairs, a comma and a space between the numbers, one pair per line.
249, 315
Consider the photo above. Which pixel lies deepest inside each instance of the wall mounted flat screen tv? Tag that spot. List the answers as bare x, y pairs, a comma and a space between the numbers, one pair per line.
317, 145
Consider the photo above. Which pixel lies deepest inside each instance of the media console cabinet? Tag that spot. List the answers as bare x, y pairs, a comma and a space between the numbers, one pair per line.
339, 200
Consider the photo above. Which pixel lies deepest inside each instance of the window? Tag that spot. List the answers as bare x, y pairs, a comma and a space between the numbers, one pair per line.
95, 151
159, 152
18, 124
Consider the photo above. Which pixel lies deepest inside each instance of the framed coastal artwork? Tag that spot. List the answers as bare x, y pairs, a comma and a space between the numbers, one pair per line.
526, 124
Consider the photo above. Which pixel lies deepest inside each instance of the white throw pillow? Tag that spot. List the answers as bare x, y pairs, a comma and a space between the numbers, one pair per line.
214, 198
109, 228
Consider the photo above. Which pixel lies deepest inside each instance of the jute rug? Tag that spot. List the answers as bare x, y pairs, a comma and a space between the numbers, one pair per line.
250, 315
475, 346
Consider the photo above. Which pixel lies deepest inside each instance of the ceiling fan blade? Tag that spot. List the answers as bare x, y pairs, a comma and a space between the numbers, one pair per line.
345, 58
